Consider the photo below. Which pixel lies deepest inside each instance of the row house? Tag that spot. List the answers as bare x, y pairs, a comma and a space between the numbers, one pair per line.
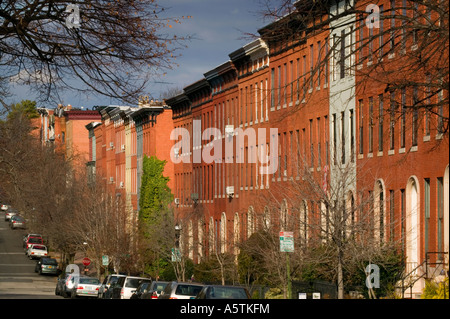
301, 103
326, 93
119, 142
63, 128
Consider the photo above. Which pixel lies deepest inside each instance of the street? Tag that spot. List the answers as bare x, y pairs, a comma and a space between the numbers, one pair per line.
17, 277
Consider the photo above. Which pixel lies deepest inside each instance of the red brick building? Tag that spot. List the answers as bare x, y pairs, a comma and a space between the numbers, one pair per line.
286, 108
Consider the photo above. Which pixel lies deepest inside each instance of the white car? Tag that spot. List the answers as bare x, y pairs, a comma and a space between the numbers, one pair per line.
37, 251
4, 207
85, 287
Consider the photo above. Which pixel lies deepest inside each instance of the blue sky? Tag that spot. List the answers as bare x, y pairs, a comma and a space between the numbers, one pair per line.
218, 27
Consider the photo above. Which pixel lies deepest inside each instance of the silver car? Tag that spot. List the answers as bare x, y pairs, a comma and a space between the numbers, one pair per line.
85, 287
180, 290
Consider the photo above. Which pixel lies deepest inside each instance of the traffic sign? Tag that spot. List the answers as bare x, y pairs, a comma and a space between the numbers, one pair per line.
287, 241
86, 261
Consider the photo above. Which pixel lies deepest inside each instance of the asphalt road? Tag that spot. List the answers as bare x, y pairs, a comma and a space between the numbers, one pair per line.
17, 277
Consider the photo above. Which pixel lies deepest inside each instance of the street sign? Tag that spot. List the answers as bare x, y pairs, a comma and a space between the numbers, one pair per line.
86, 261
176, 255
287, 241
105, 260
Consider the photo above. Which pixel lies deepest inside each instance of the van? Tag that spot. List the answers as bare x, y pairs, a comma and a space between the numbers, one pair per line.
125, 286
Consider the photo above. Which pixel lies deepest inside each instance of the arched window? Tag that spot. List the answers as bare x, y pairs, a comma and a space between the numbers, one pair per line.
250, 221
201, 239
350, 214
303, 223
237, 233
412, 223
266, 218
379, 211
223, 233
212, 239
443, 214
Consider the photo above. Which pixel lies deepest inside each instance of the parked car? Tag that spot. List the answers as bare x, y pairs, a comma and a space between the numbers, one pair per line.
154, 290
180, 290
5, 207
143, 287
17, 221
9, 213
37, 251
25, 238
123, 288
47, 265
85, 287
223, 292
31, 241
64, 285
106, 284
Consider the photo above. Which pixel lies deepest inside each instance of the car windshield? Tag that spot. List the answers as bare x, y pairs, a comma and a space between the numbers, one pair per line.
188, 290
89, 281
134, 282
227, 293
35, 240
50, 262
160, 286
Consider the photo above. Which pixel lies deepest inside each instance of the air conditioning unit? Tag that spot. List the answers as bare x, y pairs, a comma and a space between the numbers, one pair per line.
176, 151
230, 191
111, 144
123, 147
111, 179
121, 184
176, 201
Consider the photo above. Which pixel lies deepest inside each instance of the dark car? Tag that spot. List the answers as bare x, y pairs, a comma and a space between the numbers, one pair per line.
109, 281
47, 265
154, 290
223, 292
123, 287
141, 289
180, 290
17, 221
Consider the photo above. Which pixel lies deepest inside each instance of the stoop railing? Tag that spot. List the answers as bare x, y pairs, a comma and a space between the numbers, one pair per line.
427, 270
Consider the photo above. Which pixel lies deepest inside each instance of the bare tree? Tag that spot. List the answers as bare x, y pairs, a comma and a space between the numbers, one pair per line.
112, 48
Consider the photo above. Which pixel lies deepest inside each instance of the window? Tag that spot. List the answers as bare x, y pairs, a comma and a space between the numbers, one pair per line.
427, 213
371, 124
334, 140
352, 137
440, 215
361, 39
391, 214
272, 89
392, 122
319, 148
342, 55
319, 47
311, 67
311, 143
415, 118
392, 31
380, 33
361, 126
403, 119
380, 122
343, 137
